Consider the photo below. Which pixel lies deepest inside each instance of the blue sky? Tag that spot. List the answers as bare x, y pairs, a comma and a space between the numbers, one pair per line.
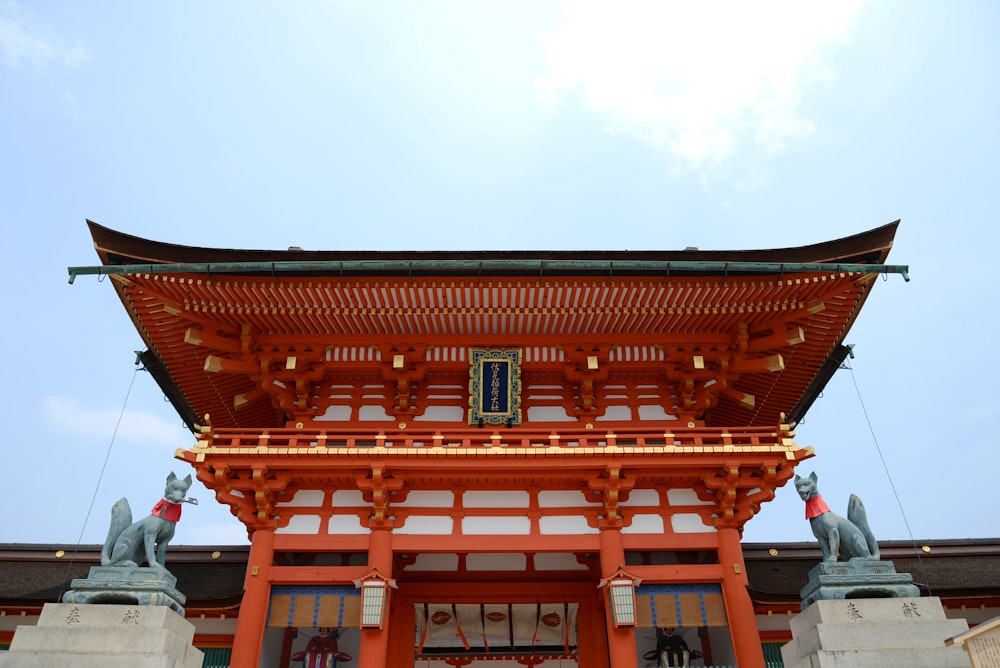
474, 125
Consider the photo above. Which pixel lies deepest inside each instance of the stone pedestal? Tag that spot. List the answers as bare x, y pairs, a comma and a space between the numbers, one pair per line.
857, 578
104, 636
127, 584
874, 633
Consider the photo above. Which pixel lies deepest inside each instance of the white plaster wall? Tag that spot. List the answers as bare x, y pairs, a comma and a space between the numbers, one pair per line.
617, 413
645, 524
372, 413
487, 561
564, 499
335, 414
553, 525
500, 525
476, 499
689, 523
654, 412
549, 414
441, 414
303, 524
426, 525
347, 498
345, 524
430, 561
685, 497
427, 499
642, 497
557, 561
303, 497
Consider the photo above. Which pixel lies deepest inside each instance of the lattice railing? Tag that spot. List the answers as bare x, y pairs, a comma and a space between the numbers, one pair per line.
684, 440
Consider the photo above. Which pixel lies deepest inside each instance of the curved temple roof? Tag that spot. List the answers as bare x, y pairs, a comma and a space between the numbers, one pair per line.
492, 298
118, 249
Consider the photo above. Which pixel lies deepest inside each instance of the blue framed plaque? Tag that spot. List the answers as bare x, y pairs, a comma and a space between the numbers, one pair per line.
494, 386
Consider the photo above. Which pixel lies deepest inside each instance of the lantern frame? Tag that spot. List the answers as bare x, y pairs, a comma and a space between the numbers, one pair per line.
620, 587
374, 598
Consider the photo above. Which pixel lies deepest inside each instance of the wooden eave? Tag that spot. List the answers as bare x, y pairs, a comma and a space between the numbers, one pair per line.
435, 296
31, 575
113, 247
956, 569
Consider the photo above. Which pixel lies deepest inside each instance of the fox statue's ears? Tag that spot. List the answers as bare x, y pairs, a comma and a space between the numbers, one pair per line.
812, 476
172, 477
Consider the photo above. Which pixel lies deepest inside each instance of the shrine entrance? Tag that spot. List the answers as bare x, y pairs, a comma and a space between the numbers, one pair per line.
521, 454
544, 624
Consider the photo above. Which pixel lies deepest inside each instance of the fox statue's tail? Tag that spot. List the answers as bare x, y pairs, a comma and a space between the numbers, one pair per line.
121, 519
856, 514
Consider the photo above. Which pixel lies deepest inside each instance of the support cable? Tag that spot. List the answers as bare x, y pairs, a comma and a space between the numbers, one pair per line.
100, 478
892, 486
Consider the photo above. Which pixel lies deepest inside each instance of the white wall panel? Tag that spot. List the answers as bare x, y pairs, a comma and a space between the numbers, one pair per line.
500, 525
304, 497
645, 524
426, 525
565, 525
301, 524
689, 523
476, 499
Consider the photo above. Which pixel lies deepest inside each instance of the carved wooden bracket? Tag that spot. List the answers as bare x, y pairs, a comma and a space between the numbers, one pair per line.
738, 491
379, 488
700, 374
251, 495
285, 372
403, 368
587, 364
610, 488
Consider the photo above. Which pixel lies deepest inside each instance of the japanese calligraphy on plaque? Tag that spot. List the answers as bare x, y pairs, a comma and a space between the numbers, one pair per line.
494, 386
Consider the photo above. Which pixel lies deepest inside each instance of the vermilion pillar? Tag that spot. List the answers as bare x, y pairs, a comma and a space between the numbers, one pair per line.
592, 637
739, 607
621, 641
253, 608
375, 642
401, 634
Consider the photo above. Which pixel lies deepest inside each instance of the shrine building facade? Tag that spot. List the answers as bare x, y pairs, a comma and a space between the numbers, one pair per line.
493, 458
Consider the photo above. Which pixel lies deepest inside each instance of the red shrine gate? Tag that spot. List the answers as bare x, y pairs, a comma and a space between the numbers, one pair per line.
479, 458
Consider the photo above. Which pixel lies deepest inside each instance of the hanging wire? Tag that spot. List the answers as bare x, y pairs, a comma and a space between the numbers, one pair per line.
100, 477
892, 485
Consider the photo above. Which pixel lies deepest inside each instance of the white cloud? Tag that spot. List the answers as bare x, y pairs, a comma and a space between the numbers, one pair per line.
69, 415
22, 39
702, 80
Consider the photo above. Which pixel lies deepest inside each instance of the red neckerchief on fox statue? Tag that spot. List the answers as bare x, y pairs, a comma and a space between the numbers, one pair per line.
815, 507
168, 510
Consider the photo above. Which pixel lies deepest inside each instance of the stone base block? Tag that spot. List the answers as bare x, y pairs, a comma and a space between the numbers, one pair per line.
127, 584
104, 636
878, 632
857, 578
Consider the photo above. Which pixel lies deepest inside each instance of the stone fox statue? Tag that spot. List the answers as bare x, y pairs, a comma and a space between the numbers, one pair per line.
128, 543
846, 538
